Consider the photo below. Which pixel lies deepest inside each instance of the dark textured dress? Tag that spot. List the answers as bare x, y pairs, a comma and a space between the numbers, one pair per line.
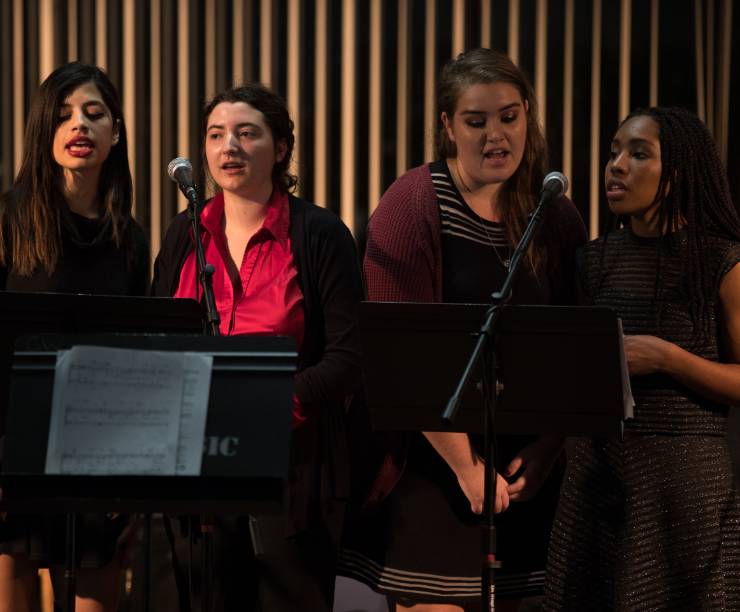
651, 522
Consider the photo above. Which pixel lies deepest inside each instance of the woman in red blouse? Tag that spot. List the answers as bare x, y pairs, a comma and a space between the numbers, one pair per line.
284, 267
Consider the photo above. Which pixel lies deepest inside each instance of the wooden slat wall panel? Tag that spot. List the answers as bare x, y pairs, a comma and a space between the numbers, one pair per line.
375, 119
403, 86
594, 174
625, 35
321, 100
568, 92
348, 119
354, 77
7, 169
430, 77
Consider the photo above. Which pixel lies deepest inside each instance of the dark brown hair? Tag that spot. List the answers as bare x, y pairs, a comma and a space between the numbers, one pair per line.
32, 211
273, 107
485, 66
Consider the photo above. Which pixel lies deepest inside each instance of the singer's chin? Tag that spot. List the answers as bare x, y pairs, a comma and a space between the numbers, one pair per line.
619, 208
498, 174
231, 176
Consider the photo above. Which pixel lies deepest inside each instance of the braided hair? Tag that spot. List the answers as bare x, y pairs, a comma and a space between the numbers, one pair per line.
693, 192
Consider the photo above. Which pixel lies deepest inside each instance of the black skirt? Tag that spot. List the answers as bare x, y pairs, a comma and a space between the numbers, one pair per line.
648, 523
423, 543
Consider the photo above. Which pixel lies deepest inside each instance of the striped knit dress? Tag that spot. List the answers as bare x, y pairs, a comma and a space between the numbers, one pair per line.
651, 522
423, 543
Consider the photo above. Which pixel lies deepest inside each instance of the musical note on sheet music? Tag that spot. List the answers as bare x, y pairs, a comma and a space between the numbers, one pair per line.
124, 411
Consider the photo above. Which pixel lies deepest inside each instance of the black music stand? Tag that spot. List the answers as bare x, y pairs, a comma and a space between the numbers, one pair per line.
51, 313
558, 370
54, 313
246, 449
42, 313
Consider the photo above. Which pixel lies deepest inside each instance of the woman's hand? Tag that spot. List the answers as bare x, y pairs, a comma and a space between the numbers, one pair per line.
471, 483
718, 381
533, 463
646, 354
455, 449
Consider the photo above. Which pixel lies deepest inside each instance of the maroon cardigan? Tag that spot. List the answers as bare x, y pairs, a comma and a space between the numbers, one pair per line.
403, 263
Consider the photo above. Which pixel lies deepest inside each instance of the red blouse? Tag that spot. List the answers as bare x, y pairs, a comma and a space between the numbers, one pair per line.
264, 296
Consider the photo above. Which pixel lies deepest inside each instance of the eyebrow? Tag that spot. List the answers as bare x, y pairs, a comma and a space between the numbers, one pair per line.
635, 141
85, 105
218, 126
500, 110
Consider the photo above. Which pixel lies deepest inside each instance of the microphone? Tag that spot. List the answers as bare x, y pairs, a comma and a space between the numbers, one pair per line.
180, 170
553, 186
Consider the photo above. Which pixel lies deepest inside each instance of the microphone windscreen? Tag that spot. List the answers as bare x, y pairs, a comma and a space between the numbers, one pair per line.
556, 183
177, 165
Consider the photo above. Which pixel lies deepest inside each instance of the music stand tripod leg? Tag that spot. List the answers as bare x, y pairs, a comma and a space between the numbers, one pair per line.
206, 530
146, 582
70, 572
490, 562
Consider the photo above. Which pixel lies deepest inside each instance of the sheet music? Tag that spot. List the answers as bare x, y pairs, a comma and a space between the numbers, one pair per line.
120, 411
627, 398
194, 410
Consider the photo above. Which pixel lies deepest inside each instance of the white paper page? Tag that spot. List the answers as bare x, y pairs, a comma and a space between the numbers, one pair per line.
196, 387
627, 399
115, 411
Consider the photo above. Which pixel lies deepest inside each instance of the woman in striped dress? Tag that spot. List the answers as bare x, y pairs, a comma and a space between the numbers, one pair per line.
445, 232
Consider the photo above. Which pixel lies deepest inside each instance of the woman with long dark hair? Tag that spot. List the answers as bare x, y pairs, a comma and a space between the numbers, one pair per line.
69, 209
445, 231
66, 226
286, 267
652, 521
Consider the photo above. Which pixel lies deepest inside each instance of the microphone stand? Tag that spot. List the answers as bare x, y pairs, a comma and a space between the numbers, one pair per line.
203, 271
204, 276
490, 388
70, 568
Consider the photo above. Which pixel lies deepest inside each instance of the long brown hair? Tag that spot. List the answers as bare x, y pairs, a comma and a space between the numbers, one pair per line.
32, 212
485, 66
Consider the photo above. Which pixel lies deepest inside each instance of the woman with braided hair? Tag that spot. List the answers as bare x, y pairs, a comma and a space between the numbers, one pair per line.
652, 521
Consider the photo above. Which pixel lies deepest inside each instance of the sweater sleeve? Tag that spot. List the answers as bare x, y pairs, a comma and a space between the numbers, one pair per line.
339, 283
400, 260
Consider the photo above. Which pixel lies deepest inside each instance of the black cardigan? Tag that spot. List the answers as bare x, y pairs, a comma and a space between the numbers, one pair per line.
329, 361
